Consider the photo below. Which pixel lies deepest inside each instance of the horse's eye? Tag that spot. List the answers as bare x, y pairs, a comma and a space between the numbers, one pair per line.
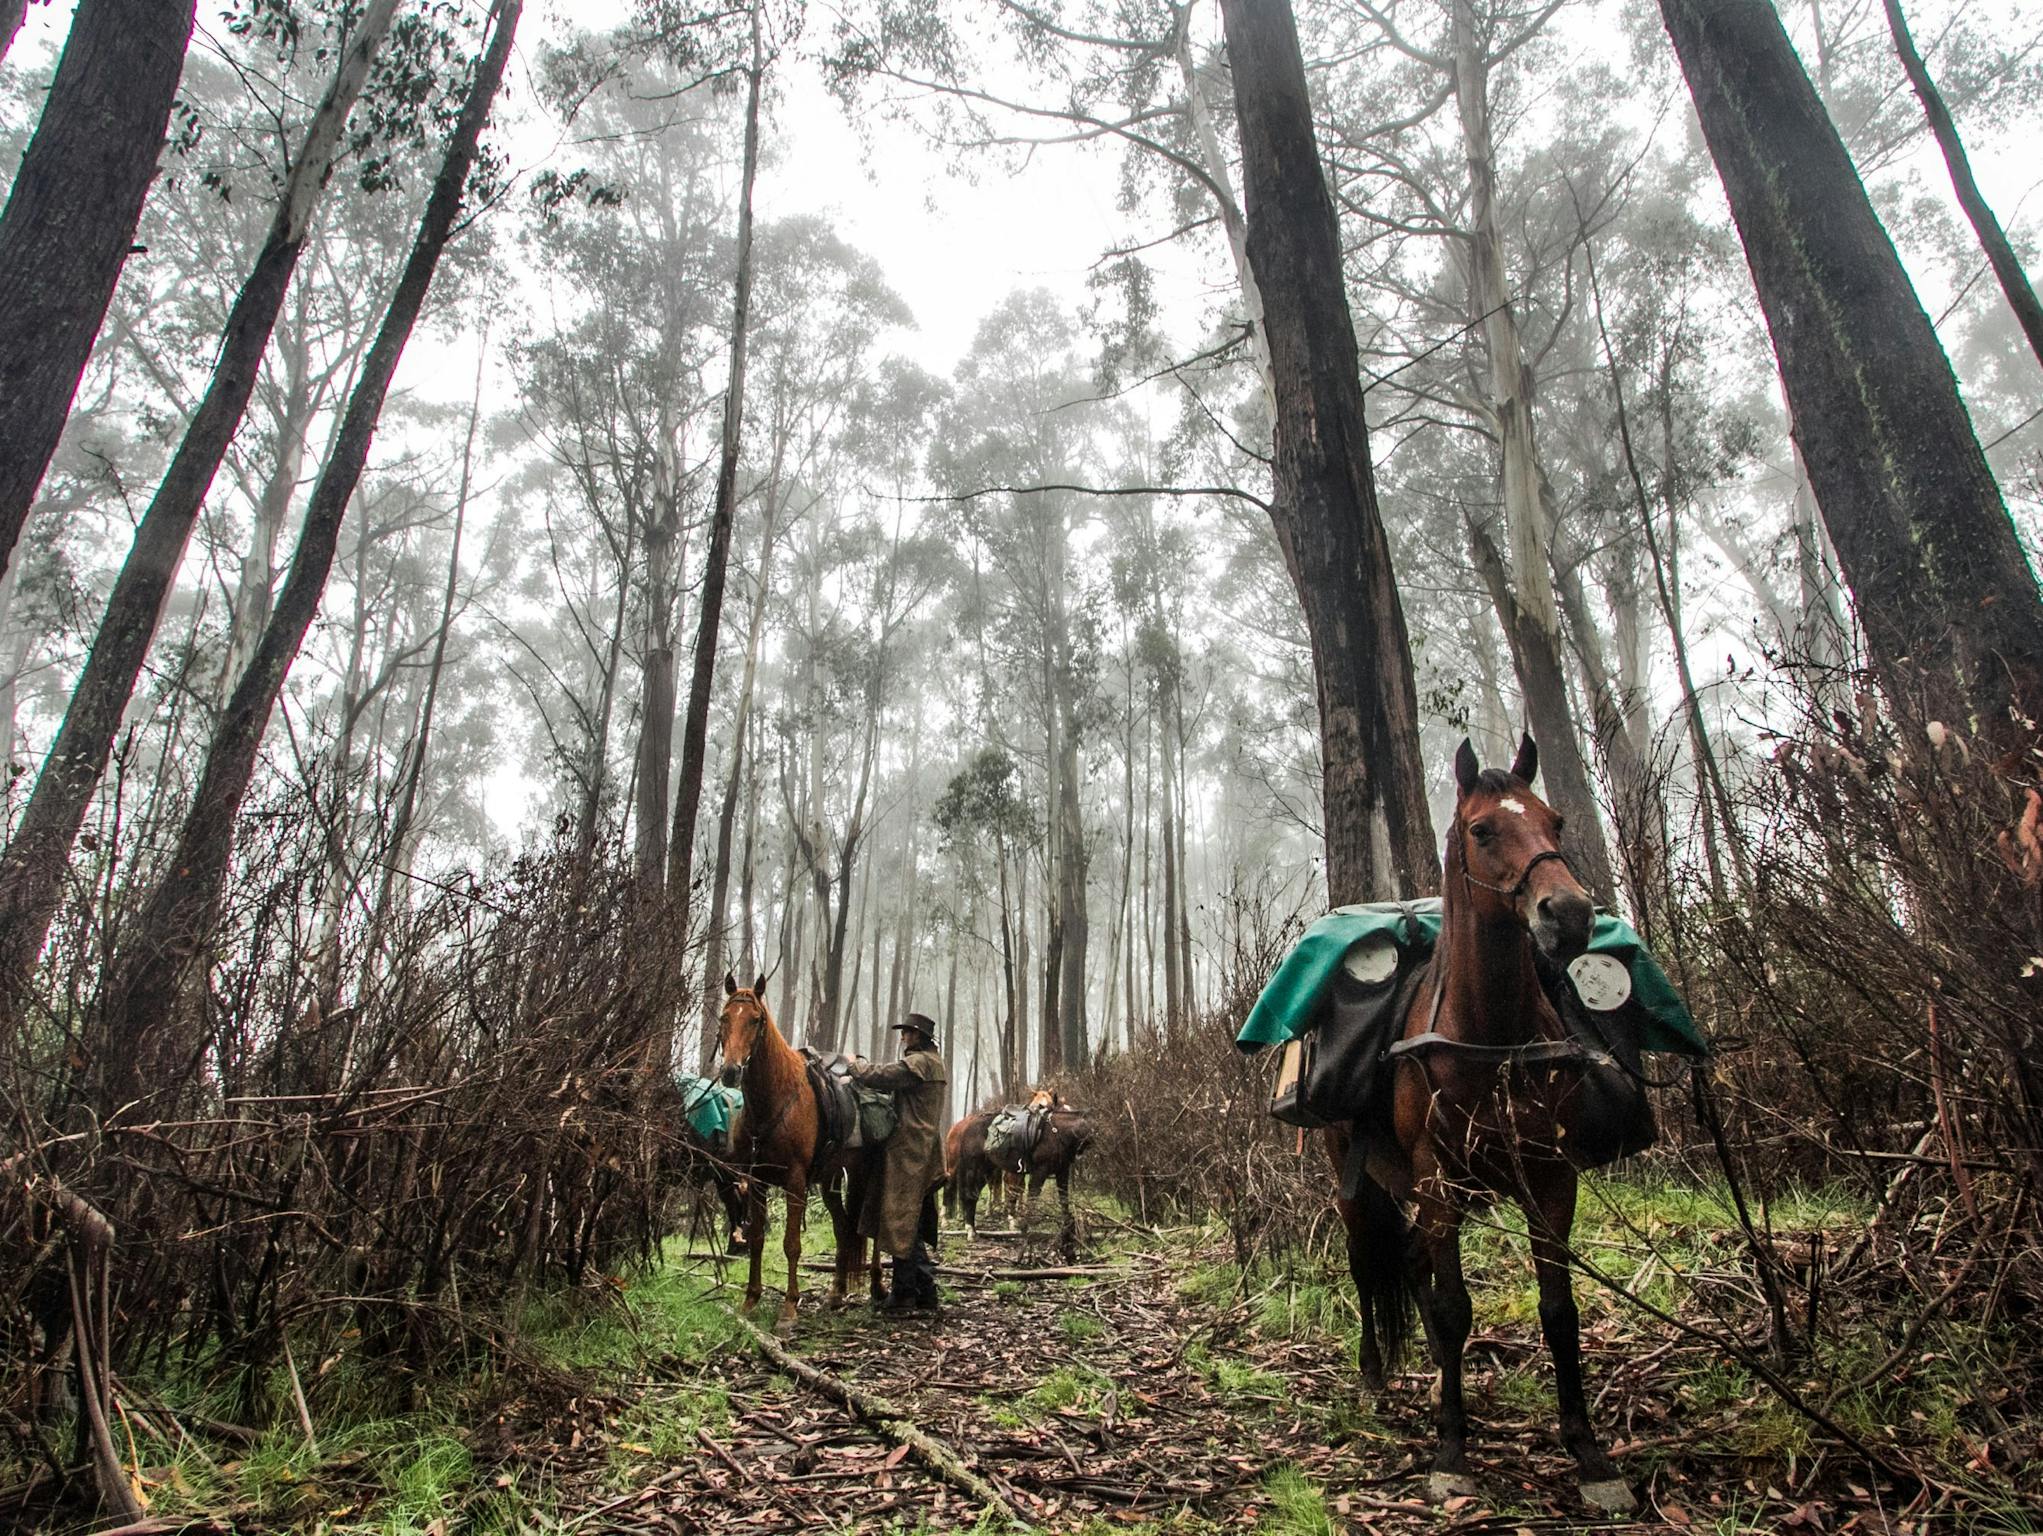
1560, 825
1483, 831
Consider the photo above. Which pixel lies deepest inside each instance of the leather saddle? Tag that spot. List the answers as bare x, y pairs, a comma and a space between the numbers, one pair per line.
830, 1080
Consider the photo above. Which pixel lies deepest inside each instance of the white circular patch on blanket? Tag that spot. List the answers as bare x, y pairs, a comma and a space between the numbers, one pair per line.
1371, 961
1601, 981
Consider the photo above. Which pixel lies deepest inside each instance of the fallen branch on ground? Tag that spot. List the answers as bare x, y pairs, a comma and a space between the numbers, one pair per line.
886, 1418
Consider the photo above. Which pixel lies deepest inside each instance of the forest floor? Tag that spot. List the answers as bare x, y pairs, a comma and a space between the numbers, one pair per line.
1163, 1389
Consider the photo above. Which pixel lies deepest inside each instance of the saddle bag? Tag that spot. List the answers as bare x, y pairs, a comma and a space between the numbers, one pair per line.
1002, 1132
1613, 1115
1335, 1072
878, 1115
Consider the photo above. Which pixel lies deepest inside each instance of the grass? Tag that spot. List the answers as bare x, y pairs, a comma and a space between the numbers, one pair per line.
1079, 1327
1297, 1506
392, 1459
665, 1310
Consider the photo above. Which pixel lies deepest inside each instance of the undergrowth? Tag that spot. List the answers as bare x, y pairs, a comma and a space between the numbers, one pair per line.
395, 1454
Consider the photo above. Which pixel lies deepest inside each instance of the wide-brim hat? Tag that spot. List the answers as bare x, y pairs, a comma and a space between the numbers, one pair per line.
921, 1023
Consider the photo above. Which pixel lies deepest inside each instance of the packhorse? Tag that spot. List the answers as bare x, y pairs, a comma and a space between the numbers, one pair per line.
779, 1140
1060, 1134
692, 1159
968, 1167
971, 1166
1486, 1097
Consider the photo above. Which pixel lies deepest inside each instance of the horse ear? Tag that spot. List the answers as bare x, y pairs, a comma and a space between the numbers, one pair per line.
759, 985
1526, 764
1465, 765
730, 983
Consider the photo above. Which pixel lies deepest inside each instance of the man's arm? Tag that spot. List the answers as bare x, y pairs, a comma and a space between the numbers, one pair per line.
893, 1076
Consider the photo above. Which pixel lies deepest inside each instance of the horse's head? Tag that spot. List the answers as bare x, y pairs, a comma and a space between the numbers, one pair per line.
742, 1026
1506, 842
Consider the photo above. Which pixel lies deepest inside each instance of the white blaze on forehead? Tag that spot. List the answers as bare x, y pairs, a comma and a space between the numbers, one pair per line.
1513, 804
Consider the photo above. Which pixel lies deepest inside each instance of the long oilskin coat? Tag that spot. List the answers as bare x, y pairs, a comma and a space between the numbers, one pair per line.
914, 1160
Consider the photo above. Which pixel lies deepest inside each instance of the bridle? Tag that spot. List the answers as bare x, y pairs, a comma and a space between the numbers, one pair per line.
1513, 892
1524, 1053
758, 1026
752, 1133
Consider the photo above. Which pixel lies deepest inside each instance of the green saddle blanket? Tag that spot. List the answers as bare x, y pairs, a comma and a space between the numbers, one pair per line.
708, 1106
1290, 1000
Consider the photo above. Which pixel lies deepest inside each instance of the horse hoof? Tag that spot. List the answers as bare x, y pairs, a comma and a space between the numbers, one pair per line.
1610, 1496
1442, 1486
784, 1325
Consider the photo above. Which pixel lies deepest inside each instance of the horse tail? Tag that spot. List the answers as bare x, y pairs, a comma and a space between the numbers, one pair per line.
1379, 1248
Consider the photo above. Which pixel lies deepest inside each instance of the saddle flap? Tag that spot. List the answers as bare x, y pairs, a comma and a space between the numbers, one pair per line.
836, 1106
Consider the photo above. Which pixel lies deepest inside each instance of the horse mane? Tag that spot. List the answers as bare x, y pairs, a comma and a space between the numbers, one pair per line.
1498, 781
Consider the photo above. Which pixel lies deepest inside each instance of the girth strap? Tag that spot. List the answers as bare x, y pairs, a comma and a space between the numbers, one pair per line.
1530, 1053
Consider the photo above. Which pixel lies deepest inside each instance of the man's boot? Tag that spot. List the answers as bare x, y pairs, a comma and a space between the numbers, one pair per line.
922, 1276
901, 1294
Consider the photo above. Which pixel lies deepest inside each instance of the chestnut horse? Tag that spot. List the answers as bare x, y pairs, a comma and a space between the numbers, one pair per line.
969, 1168
1483, 1104
1066, 1133
776, 1142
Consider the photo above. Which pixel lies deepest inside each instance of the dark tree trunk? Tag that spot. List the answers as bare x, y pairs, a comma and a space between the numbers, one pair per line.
12, 13
1950, 608
32, 867
1378, 833
2014, 282
695, 729
716, 925
143, 1043
655, 755
70, 220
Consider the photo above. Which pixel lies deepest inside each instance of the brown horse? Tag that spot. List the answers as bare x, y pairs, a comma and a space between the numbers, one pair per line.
970, 1169
1066, 1133
1486, 1098
776, 1141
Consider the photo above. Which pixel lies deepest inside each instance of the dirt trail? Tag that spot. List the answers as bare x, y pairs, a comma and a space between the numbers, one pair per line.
1098, 1402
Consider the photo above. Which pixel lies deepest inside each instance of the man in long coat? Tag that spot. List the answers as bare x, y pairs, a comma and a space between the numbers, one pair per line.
893, 1212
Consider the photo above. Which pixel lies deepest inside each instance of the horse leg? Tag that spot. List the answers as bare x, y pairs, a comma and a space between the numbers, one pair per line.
1067, 1237
968, 1196
755, 1238
1445, 1310
791, 1246
1368, 1352
1032, 1189
732, 1195
1550, 1215
840, 1275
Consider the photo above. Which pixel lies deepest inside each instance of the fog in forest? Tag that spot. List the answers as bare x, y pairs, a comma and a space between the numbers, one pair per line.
562, 506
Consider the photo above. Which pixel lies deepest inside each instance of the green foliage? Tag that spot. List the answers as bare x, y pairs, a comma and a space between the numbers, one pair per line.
664, 1310
1078, 1327
984, 800
1297, 1506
